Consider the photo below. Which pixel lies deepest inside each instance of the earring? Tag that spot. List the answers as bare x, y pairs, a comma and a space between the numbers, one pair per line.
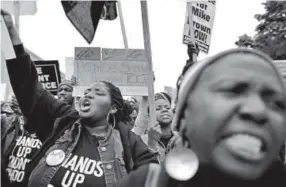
181, 164
114, 121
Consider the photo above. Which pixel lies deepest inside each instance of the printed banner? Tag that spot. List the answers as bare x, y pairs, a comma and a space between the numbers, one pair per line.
49, 75
199, 23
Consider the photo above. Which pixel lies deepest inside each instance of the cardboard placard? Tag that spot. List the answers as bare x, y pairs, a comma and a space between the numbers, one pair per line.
124, 68
199, 23
26, 7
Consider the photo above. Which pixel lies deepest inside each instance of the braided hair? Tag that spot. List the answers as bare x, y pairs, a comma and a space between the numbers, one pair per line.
179, 81
178, 85
122, 114
192, 49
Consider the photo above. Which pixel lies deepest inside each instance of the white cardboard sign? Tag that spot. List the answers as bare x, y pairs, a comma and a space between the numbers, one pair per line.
125, 68
199, 23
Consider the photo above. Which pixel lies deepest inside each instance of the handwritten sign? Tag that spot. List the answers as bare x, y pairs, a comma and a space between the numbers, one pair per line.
199, 23
49, 75
26, 7
124, 68
123, 54
87, 53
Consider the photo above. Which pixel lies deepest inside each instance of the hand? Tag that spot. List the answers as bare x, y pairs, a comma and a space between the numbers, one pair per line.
7, 19
15, 39
154, 135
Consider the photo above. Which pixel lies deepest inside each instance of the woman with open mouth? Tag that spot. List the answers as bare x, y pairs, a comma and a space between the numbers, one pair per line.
92, 147
231, 116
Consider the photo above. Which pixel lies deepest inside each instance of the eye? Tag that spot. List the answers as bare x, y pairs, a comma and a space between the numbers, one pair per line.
280, 105
237, 89
99, 93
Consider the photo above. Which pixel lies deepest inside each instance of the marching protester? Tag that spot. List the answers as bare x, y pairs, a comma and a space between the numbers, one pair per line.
161, 138
18, 146
65, 91
133, 111
231, 116
92, 147
7, 115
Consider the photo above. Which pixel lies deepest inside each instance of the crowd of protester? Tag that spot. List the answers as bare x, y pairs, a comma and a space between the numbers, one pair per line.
229, 128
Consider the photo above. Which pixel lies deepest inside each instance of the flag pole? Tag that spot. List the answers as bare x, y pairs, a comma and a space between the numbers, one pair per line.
194, 48
122, 25
147, 46
17, 15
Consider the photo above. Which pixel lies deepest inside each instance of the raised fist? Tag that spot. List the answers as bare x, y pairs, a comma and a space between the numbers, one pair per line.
7, 19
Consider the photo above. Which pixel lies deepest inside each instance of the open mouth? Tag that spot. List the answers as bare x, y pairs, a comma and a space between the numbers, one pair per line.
246, 147
85, 105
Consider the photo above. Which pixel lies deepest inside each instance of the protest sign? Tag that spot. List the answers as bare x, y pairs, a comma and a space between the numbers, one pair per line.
2, 91
84, 15
69, 68
20, 7
281, 65
49, 75
199, 23
125, 68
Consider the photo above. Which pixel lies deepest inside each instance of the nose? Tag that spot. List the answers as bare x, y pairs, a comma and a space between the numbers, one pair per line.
254, 109
88, 95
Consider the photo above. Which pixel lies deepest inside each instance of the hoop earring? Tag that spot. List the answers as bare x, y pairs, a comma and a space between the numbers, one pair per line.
114, 121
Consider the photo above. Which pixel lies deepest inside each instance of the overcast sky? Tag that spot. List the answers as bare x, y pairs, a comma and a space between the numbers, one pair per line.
51, 36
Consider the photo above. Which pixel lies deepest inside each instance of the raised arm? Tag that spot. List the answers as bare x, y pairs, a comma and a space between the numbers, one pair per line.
142, 120
36, 103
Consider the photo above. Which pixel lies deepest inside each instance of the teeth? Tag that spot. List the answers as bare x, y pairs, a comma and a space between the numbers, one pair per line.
246, 146
247, 141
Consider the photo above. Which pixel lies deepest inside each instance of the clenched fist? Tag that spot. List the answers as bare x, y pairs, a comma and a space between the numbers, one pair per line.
7, 19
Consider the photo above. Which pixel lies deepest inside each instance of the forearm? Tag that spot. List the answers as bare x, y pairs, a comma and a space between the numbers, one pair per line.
15, 39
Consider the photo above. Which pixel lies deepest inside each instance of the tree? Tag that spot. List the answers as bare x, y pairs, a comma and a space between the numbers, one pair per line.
244, 41
271, 30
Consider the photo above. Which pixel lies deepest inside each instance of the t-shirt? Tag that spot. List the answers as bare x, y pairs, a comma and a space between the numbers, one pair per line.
25, 147
83, 168
165, 140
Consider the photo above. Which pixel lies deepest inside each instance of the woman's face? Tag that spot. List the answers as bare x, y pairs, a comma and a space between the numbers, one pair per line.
65, 94
235, 117
164, 112
96, 102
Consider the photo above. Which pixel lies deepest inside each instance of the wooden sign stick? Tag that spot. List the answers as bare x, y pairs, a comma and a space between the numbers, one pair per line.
147, 46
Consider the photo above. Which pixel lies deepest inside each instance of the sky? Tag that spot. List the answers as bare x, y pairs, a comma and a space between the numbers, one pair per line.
51, 36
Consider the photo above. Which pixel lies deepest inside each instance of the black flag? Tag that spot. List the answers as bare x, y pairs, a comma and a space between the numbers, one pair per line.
84, 15
109, 11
